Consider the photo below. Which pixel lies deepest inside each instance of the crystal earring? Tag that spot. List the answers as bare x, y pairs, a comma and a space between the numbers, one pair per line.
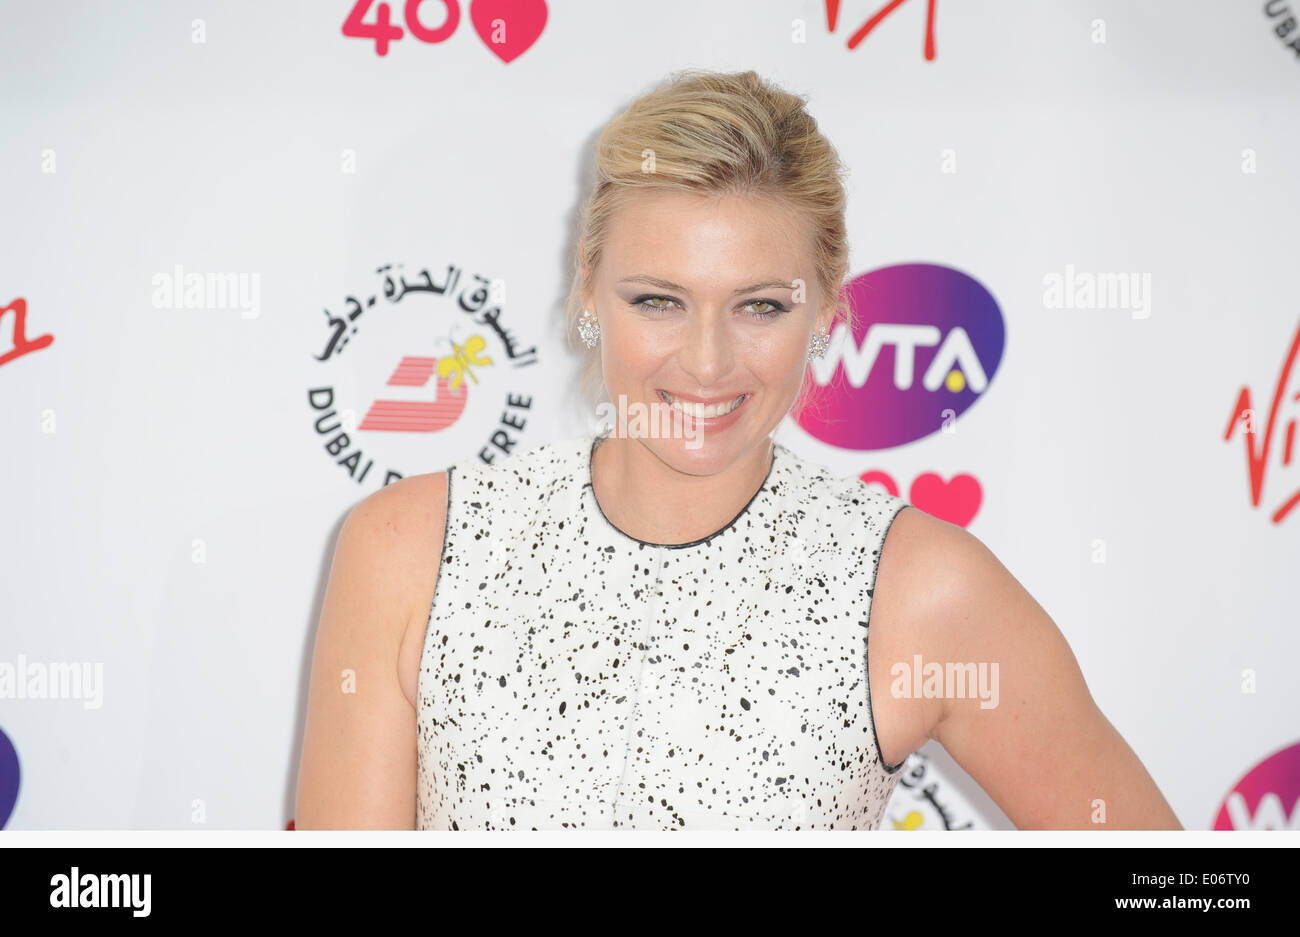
818, 343
589, 328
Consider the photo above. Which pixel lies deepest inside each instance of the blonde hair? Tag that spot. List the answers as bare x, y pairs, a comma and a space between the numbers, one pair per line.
714, 133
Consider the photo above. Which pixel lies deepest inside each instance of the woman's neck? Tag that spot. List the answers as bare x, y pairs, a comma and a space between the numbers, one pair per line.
649, 500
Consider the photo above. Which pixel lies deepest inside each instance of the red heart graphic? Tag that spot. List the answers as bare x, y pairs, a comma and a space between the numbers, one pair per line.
955, 501
508, 27
883, 479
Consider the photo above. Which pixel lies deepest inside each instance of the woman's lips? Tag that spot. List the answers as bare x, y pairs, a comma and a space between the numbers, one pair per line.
715, 409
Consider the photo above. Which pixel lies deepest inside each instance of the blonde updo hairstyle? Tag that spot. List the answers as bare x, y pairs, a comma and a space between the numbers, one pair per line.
714, 133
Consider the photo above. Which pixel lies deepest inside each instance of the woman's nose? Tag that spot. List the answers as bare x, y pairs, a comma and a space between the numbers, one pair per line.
708, 353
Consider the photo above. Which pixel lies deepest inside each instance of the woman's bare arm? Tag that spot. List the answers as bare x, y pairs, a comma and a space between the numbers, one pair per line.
358, 768
1045, 753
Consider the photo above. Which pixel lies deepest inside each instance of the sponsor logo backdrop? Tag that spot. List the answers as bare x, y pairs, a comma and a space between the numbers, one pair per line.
259, 260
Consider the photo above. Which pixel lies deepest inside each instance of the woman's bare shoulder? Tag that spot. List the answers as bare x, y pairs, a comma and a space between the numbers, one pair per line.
402, 522
931, 575
357, 767
397, 533
919, 549
909, 575
409, 508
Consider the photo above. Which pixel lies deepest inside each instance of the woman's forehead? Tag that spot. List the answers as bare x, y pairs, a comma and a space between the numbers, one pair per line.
682, 236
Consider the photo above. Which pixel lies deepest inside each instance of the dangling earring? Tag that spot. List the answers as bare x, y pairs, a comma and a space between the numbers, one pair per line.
818, 343
589, 328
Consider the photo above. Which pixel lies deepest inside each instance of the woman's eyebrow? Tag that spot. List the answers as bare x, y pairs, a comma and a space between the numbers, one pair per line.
669, 285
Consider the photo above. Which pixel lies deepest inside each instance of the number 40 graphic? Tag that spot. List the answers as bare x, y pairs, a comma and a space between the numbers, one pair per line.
507, 27
383, 31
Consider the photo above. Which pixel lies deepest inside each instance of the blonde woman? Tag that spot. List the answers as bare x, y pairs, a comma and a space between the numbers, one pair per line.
688, 628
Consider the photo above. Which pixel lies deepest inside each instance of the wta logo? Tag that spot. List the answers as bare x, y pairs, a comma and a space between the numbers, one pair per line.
927, 341
9, 778
1267, 798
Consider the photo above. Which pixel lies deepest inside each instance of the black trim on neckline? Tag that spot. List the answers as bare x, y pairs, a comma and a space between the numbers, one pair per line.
596, 439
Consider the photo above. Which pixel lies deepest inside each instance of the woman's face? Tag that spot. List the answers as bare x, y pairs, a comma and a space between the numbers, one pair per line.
703, 301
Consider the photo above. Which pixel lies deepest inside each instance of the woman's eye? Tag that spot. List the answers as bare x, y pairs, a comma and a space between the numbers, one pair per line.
759, 308
653, 303
773, 309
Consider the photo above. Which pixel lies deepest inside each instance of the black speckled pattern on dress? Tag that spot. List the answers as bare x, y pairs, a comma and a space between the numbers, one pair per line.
574, 677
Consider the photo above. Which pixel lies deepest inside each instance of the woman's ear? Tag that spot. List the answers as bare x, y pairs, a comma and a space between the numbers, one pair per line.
826, 316
585, 281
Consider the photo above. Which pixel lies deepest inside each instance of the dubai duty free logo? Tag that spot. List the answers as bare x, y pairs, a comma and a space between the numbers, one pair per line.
417, 353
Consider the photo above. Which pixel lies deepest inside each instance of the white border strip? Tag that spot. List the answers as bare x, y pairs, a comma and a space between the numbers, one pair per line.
109, 839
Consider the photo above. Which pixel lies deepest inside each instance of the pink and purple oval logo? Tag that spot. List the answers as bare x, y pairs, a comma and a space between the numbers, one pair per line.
927, 342
1267, 798
9, 778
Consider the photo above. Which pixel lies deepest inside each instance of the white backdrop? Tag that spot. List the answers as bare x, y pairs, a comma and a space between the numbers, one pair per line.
171, 501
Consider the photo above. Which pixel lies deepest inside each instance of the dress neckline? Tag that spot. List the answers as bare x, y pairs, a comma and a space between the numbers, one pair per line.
589, 494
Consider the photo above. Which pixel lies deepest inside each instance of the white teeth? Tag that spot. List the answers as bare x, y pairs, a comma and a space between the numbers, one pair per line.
701, 411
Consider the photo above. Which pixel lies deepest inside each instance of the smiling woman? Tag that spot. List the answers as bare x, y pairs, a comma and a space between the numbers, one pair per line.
693, 629
672, 157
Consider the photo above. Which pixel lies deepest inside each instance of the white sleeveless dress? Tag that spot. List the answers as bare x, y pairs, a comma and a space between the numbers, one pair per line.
575, 677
